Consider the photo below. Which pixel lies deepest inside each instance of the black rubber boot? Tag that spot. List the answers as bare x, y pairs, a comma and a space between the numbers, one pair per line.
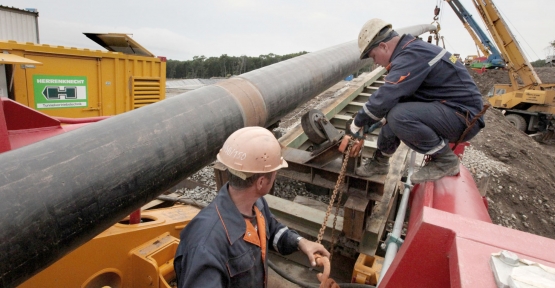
377, 165
441, 165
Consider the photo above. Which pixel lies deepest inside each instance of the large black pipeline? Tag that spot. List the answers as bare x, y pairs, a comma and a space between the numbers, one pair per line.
59, 193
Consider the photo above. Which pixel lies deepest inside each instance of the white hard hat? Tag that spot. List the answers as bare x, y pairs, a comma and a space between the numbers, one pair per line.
251, 150
369, 35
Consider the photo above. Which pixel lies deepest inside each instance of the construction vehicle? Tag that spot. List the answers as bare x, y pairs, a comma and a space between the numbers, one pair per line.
77, 83
527, 102
480, 38
469, 59
480, 63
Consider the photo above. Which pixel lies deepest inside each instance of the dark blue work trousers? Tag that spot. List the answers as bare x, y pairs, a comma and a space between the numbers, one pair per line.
426, 127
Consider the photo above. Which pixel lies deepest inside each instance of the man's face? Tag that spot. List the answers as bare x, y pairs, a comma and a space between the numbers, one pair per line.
380, 54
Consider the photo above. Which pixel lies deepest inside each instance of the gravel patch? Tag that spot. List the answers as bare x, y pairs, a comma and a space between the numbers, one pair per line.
481, 165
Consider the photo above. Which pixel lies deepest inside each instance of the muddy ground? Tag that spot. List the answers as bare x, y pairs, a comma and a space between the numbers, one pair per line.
521, 191
521, 172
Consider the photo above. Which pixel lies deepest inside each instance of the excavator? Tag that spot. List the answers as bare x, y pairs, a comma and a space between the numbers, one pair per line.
526, 102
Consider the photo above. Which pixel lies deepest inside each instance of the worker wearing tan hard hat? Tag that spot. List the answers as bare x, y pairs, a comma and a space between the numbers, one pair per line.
428, 101
226, 244
372, 34
251, 150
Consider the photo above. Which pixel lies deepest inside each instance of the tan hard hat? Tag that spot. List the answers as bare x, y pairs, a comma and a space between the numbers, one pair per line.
251, 150
367, 36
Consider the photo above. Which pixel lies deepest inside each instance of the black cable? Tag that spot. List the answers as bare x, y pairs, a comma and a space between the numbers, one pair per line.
312, 285
289, 278
354, 285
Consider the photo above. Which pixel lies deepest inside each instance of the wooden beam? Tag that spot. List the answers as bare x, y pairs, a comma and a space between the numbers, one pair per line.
375, 224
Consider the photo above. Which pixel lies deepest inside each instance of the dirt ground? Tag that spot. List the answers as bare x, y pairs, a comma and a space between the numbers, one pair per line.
521, 189
521, 172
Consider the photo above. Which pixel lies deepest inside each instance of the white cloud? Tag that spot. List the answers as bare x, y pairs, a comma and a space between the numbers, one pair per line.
156, 40
181, 29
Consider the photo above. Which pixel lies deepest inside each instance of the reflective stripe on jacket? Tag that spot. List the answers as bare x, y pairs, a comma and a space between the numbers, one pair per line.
213, 251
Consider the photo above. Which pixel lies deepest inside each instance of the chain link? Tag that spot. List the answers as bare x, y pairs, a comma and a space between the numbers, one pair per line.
332, 199
336, 213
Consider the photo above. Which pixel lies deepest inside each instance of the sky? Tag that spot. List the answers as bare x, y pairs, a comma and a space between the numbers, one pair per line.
181, 29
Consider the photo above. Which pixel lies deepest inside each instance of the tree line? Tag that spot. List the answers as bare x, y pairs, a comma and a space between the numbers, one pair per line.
223, 66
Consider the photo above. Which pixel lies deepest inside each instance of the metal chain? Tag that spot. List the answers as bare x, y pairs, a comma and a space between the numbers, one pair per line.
332, 199
336, 213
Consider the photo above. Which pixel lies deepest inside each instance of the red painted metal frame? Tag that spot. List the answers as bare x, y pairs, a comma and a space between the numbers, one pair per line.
4, 136
456, 195
21, 125
451, 238
135, 217
65, 120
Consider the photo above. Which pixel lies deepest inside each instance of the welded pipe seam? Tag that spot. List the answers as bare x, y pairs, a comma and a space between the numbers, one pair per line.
249, 98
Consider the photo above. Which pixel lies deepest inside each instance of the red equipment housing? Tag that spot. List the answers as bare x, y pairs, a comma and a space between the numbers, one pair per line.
21, 125
451, 238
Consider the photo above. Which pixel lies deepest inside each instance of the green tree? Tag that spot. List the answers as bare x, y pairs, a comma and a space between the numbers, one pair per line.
181, 70
538, 63
223, 66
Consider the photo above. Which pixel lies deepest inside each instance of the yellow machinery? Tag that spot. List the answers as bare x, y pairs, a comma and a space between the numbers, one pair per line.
528, 104
469, 59
136, 255
492, 56
77, 83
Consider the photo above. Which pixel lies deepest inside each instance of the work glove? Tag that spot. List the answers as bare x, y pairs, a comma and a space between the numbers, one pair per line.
354, 130
379, 124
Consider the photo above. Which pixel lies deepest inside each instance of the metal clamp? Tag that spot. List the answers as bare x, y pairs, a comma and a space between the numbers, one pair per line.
392, 239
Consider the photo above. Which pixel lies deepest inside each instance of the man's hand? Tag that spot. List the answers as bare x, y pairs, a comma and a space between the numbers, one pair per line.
353, 130
379, 124
309, 248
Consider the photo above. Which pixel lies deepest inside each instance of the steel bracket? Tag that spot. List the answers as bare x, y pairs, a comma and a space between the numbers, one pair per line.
392, 239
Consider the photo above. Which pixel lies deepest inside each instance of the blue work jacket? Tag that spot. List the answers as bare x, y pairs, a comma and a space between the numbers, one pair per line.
215, 251
423, 72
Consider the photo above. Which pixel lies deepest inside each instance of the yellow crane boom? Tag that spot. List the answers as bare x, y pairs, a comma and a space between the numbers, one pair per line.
527, 102
517, 63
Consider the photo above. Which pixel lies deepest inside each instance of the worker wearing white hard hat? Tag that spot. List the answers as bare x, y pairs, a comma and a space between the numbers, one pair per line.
428, 100
227, 243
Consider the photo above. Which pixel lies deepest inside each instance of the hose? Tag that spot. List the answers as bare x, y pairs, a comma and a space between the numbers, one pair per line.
393, 247
288, 277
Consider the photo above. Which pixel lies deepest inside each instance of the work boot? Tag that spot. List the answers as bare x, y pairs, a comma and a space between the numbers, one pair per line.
441, 165
377, 165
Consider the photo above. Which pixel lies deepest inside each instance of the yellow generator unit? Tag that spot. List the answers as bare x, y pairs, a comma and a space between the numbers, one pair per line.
71, 82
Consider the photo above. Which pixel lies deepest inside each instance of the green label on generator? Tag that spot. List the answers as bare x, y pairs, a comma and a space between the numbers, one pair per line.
60, 91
